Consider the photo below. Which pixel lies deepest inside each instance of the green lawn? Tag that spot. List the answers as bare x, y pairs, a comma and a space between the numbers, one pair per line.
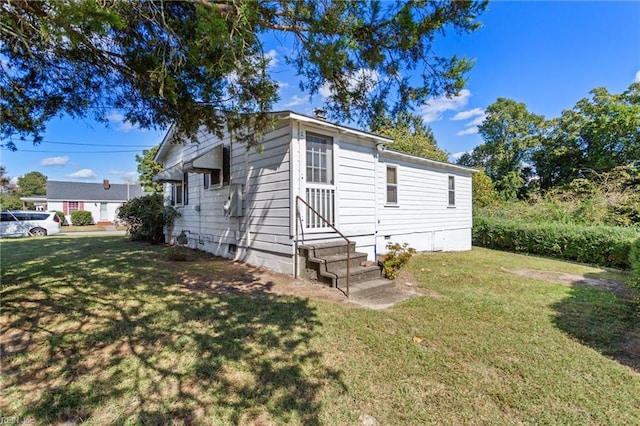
104, 331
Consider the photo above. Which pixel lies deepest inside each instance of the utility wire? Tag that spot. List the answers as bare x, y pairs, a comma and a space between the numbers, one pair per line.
102, 144
89, 144
68, 152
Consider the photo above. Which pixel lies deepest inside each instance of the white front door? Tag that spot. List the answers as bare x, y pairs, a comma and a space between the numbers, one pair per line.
104, 215
319, 188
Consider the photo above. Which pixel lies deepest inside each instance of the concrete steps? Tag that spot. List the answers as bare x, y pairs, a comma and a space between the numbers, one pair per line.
326, 263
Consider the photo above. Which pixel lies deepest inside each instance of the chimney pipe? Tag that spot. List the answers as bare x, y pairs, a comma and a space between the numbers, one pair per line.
320, 113
106, 184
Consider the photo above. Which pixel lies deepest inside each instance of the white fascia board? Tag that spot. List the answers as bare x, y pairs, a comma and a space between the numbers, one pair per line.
341, 129
164, 145
421, 160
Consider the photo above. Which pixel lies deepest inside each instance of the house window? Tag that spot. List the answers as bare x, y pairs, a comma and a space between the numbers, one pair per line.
452, 190
185, 188
73, 206
220, 177
176, 193
319, 159
392, 185
226, 165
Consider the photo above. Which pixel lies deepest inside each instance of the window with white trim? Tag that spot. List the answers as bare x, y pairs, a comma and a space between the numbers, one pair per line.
452, 190
319, 159
180, 191
392, 185
218, 178
176, 193
185, 189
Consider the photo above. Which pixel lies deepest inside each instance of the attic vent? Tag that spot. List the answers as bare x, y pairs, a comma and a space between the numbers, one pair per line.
320, 113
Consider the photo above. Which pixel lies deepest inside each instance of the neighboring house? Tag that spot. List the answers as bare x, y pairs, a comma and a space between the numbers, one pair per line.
242, 204
101, 199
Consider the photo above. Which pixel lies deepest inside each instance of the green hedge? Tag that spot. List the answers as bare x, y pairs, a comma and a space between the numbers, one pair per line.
81, 218
600, 245
634, 260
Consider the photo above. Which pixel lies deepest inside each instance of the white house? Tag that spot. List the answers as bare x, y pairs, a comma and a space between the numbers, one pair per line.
244, 205
101, 199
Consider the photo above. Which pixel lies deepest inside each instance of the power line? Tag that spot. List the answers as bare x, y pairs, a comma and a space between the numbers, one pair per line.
68, 152
102, 144
88, 144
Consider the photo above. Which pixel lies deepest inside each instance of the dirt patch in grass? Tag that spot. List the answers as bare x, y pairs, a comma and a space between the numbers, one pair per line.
242, 279
572, 279
408, 282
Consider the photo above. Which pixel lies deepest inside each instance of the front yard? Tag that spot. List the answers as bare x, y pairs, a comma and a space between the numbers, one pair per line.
105, 331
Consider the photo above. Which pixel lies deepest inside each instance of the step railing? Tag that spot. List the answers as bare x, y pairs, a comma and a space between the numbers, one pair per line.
324, 219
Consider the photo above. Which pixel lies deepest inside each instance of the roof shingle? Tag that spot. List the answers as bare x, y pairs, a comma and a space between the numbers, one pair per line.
76, 191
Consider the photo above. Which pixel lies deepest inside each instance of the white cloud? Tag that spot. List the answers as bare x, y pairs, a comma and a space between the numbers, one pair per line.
468, 131
123, 126
114, 116
638, 77
82, 174
434, 109
124, 175
54, 161
465, 115
476, 117
325, 90
297, 100
271, 56
364, 79
477, 121
456, 155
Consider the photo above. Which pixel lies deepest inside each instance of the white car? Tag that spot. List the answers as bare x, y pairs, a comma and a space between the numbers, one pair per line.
28, 223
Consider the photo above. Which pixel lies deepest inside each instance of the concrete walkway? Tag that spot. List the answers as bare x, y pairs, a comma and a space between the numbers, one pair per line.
382, 299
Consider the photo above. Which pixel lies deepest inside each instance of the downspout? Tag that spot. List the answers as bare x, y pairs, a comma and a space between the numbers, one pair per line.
294, 189
375, 201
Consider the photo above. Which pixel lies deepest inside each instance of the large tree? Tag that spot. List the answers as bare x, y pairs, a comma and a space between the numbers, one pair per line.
32, 183
9, 199
200, 62
6, 187
599, 134
510, 132
411, 135
147, 168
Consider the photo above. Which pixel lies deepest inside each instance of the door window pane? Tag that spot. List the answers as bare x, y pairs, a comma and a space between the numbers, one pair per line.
319, 159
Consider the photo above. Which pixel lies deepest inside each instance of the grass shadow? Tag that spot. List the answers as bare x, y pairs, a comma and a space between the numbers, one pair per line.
104, 329
603, 315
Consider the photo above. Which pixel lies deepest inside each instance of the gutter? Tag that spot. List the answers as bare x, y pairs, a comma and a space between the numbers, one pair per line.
384, 151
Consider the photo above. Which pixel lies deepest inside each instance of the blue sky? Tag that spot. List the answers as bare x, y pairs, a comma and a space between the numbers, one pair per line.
545, 54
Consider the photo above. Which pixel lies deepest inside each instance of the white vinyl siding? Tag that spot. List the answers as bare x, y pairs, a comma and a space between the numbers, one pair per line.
424, 218
355, 184
350, 167
262, 233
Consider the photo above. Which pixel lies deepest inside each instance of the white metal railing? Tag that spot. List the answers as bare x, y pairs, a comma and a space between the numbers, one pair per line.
322, 200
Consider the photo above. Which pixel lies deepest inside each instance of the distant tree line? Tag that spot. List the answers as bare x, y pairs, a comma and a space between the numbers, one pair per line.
31, 184
588, 158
